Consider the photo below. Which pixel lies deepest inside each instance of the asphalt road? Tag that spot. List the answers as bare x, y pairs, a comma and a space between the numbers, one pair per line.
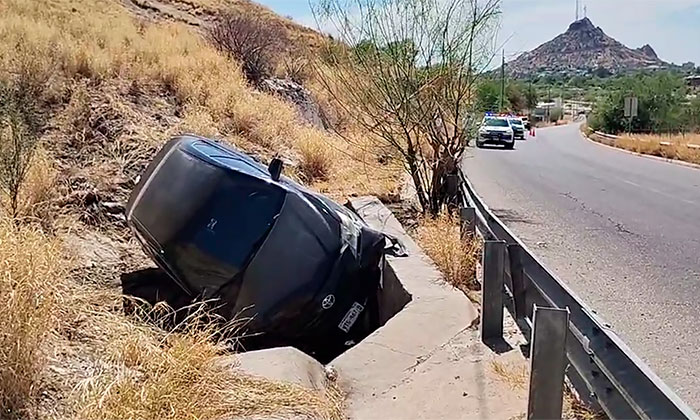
622, 230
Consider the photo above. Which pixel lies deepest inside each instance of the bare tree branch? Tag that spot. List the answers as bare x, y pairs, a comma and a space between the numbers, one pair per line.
405, 71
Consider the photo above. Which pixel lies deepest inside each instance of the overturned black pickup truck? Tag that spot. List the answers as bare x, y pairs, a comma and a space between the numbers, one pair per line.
301, 269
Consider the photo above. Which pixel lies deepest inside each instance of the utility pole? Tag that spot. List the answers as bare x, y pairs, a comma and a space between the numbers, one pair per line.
577, 8
471, 79
503, 79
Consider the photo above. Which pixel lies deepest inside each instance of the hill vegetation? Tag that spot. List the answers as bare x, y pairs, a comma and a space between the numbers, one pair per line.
664, 106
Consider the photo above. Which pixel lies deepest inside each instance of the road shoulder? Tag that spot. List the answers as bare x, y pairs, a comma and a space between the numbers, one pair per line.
609, 143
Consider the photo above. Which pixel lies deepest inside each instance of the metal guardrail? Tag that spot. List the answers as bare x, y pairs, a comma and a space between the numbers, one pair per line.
610, 136
602, 368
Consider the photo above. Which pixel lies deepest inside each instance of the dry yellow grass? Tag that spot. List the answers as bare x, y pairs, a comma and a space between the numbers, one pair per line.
683, 139
302, 40
148, 374
37, 192
652, 145
101, 42
456, 258
31, 273
316, 159
517, 376
101, 364
103, 62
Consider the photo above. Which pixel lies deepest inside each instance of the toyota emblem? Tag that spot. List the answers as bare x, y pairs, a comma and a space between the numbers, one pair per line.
328, 301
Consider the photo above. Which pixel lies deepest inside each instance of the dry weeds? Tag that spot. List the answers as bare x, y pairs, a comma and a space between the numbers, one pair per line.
30, 291
316, 159
652, 145
517, 376
121, 87
456, 258
38, 191
149, 374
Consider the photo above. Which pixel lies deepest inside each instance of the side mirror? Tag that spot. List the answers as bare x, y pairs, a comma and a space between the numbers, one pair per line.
275, 169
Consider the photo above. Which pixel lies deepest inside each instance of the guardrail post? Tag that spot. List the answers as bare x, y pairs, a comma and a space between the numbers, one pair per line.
547, 363
492, 292
516, 275
467, 219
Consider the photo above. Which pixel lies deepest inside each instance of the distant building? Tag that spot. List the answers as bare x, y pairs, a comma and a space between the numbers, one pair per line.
693, 82
656, 67
689, 66
544, 110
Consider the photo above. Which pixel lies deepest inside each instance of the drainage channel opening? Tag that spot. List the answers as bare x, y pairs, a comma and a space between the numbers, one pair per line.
146, 288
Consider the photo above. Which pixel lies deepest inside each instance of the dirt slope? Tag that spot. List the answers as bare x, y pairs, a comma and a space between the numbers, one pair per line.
117, 80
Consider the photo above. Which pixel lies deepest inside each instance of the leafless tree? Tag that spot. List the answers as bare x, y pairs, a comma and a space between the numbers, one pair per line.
249, 41
406, 72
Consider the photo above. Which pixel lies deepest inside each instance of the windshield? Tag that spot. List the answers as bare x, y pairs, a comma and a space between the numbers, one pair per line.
516, 122
209, 225
495, 122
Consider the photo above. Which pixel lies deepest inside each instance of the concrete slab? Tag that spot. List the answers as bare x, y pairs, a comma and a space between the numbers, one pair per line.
427, 361
283, 364
458, 381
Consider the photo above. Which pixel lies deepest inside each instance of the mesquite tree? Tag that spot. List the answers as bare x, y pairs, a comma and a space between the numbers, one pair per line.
21, 122
405, 71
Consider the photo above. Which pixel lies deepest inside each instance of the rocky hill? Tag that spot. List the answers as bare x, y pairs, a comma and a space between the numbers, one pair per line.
583, 48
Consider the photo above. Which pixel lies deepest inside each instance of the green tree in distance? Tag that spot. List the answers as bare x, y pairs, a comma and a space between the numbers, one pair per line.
662, 104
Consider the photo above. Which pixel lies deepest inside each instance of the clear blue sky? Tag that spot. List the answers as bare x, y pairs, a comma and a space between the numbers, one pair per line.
671, 27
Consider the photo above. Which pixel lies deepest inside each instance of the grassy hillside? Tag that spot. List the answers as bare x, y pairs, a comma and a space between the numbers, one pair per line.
115, 81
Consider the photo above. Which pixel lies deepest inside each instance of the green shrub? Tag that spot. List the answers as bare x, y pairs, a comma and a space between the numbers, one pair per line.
661, 104
555, 114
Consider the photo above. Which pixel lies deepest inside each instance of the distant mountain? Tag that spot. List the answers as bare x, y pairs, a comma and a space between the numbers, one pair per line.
583, 48
648, 51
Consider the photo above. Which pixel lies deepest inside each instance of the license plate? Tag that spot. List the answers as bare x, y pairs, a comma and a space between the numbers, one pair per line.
350, 317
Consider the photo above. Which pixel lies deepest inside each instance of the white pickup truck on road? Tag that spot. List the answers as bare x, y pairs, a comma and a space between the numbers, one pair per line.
495, 130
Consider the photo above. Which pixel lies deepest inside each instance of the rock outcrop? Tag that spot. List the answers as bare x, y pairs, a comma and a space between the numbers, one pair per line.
299, 96
648, 51
583, 48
